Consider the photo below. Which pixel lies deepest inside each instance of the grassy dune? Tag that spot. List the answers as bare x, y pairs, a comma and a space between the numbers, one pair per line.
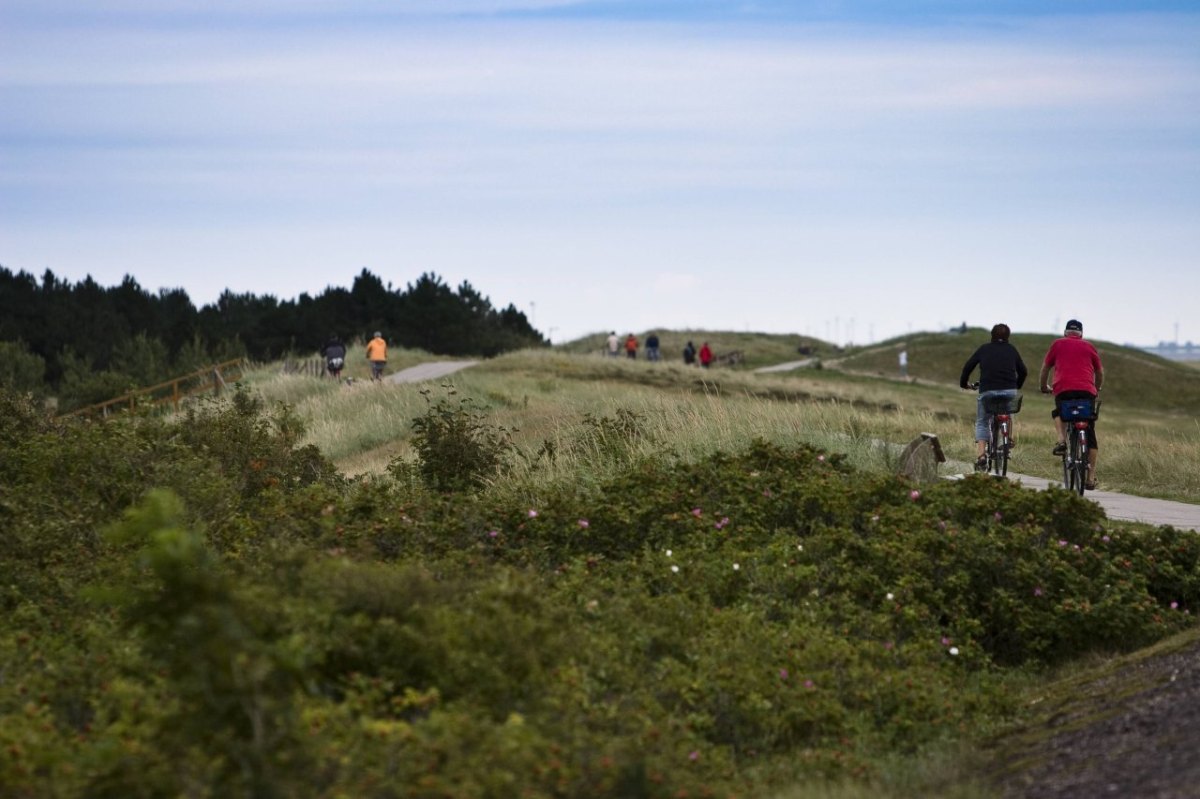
758, 349
1150, 442
1134, 380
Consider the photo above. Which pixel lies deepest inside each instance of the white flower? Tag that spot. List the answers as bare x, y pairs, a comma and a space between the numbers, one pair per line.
668, 553
890, 596
953, 650
675, 569
800, 547
736, 567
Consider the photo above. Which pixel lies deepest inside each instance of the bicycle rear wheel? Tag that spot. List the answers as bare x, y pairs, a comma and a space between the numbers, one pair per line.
1002, 449
1079, 455
994, 449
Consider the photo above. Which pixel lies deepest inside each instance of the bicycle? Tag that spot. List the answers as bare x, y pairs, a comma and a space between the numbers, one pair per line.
999, 448
1078, 415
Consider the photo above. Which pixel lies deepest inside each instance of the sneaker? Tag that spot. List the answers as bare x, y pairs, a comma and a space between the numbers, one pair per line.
981, 463
1060, 448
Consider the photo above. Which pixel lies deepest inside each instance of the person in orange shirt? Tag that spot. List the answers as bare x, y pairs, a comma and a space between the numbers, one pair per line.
377, 355
631, 345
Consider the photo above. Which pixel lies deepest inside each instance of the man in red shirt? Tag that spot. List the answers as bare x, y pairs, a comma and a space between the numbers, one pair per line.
1077, 375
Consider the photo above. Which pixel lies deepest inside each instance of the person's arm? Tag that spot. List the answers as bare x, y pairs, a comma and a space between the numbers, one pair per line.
1099, 370
1047, 365
968, 367
1022, 372
1043, 376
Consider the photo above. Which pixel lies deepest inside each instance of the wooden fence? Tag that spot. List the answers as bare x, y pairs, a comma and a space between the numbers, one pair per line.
211, 378
313, 367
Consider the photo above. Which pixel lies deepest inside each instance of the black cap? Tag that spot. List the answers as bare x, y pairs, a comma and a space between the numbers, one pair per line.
1075, 325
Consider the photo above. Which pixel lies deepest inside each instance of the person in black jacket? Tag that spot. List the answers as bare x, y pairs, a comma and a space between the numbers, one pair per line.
1001, 374
334, 352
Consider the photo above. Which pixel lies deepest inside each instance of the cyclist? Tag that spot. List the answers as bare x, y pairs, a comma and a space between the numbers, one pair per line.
377, 355
1001, 374
334, 353
1078, 374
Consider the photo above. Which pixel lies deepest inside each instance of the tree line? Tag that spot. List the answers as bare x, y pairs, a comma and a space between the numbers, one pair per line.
86, 342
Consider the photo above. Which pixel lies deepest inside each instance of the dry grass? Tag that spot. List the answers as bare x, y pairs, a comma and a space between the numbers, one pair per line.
546, 395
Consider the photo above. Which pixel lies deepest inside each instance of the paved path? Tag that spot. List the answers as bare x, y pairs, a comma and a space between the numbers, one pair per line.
786, 367
1181, 515
428, 371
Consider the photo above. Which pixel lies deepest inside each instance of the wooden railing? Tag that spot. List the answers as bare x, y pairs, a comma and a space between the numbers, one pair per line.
211, 378
313, 367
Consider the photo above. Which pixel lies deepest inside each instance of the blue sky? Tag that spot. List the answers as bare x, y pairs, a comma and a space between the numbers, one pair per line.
848, 170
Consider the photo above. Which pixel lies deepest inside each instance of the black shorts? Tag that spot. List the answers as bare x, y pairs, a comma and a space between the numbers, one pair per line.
1074, 395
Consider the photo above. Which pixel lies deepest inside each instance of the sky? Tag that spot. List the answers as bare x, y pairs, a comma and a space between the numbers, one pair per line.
848, 170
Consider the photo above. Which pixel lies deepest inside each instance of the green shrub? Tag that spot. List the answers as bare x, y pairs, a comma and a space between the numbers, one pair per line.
456, 447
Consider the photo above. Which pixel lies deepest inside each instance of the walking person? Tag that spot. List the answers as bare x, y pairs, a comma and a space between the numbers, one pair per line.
613, 344
652, 347
631, 347
706, 355
1078, 374
1001, 374
689, 354
377, 355
334, 353
903, 359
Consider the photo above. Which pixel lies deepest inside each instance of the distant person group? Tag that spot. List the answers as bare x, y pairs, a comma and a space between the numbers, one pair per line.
613, 346
1077, 375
